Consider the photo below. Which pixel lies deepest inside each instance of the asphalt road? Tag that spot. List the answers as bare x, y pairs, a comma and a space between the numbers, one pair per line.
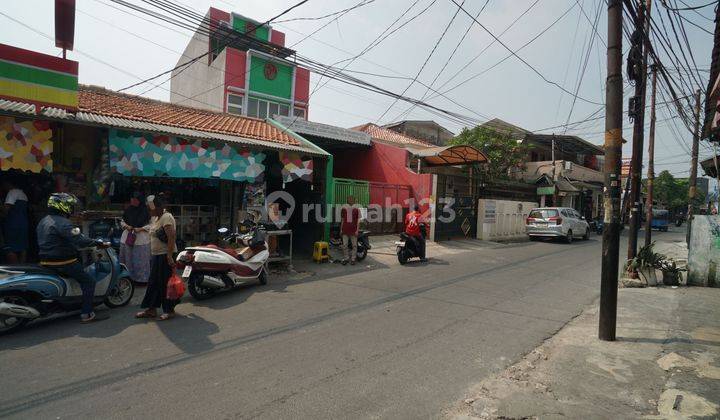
380, 341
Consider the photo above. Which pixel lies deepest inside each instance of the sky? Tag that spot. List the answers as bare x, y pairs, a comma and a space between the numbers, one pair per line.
116, 48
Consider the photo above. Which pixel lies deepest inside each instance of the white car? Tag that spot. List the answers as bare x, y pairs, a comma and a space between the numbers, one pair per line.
556, 222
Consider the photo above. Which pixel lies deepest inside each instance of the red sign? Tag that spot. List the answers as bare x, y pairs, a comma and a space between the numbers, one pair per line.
270, 71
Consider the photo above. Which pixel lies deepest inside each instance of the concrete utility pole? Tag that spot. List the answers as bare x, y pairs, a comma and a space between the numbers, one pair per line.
651, 161
643, 20
692, 190
611, 192
555, 176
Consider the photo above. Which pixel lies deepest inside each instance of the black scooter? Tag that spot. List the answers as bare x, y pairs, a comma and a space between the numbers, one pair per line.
363, 242
406, 247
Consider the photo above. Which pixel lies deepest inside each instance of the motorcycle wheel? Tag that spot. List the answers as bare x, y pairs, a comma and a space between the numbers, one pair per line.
263, 279
402, 256
361, 253
196, 290
121, 294
9, 324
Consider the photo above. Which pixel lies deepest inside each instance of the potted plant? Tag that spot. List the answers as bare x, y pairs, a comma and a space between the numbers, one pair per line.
645, 263
671, 273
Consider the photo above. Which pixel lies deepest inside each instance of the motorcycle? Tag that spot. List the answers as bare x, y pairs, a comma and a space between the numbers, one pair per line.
405, 247
209, 269
32, 292
363, 242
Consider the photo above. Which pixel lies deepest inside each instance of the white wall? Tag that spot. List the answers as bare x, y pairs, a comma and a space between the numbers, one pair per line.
502, 219
704, 252
205, 81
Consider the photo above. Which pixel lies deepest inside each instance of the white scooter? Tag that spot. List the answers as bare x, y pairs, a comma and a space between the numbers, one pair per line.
209, 269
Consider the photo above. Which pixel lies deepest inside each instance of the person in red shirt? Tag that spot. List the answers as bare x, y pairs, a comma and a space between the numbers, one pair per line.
349, 227
413, 228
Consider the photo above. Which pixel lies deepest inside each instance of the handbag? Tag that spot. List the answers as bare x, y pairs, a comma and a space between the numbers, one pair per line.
175, 288
130, 239
160, 234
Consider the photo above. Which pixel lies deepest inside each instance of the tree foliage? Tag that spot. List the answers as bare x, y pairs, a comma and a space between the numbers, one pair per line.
502, 150
672, 193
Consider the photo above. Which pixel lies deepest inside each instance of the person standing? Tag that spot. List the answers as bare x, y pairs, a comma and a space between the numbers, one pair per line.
15, 228
135, 239
163, 249
413, 228
349, 226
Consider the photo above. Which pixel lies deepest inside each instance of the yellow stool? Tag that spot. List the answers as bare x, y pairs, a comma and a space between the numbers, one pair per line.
320, 252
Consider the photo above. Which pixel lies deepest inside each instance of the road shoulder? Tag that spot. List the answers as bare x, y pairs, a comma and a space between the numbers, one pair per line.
665, 364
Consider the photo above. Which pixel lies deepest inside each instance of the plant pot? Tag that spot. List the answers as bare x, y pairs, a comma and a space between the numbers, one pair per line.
648, 275
671, 278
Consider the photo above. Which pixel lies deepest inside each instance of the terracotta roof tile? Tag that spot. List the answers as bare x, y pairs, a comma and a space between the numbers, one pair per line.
390, 136
101, 101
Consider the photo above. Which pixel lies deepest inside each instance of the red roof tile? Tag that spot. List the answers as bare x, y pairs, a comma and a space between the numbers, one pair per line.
389, 136
105, 102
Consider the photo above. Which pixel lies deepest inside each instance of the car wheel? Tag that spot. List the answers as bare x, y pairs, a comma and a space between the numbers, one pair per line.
569, 237
533, 238
586, 236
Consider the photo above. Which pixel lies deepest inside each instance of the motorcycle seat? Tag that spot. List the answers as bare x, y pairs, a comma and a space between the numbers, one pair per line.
230, 251
29, 269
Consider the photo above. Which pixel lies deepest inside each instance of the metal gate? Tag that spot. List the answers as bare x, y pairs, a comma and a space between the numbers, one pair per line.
456, 213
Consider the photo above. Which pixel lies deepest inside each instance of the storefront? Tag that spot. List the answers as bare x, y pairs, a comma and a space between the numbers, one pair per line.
213, 178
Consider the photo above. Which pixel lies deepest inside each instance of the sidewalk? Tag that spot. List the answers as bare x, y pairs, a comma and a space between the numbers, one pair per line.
664, 364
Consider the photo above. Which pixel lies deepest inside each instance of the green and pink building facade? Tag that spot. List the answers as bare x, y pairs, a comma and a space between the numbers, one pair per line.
241, 74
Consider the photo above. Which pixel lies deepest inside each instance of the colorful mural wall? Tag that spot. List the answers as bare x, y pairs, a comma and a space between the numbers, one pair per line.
295, 168
141, 154
38, 78
26, 146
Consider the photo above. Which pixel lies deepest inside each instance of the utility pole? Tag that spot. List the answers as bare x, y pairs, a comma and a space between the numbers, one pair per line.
651, 161
692, 190
611, 193
643, 19
555, 177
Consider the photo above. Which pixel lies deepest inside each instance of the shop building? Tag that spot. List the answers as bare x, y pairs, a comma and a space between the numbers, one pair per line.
215, 167
247, 70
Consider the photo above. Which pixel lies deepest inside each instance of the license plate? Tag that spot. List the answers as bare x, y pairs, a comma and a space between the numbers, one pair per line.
187, 271
400, 243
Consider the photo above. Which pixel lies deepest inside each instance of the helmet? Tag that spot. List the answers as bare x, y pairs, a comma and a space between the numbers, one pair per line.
62, 202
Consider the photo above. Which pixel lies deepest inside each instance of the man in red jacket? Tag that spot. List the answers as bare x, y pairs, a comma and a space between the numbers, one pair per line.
413, 221
349, 227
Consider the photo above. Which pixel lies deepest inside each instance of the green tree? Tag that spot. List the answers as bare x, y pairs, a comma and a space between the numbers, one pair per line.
502, 150
672, 193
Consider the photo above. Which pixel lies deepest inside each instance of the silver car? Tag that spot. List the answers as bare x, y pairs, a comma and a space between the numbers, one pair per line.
556, 222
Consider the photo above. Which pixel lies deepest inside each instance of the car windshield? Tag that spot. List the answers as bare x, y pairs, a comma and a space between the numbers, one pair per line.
543, 213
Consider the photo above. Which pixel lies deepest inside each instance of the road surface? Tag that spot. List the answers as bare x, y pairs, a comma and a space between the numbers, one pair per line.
380, 341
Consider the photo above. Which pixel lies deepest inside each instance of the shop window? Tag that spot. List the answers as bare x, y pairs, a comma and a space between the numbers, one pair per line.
299, 112
235, 104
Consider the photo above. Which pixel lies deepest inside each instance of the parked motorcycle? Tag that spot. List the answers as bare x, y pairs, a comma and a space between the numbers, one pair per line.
363, 242
30, 292
209, 269
406, 248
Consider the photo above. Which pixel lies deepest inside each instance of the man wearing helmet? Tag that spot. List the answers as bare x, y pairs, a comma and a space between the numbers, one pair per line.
59, 242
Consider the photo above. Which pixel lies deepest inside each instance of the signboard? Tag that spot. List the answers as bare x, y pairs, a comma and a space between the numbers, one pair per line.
546, 190
490, 211
37, 78
302, 126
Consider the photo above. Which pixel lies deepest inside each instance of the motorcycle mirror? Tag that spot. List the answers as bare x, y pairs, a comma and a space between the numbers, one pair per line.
223, 230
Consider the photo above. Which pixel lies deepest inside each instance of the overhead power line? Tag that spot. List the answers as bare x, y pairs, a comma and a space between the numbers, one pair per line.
522, 60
